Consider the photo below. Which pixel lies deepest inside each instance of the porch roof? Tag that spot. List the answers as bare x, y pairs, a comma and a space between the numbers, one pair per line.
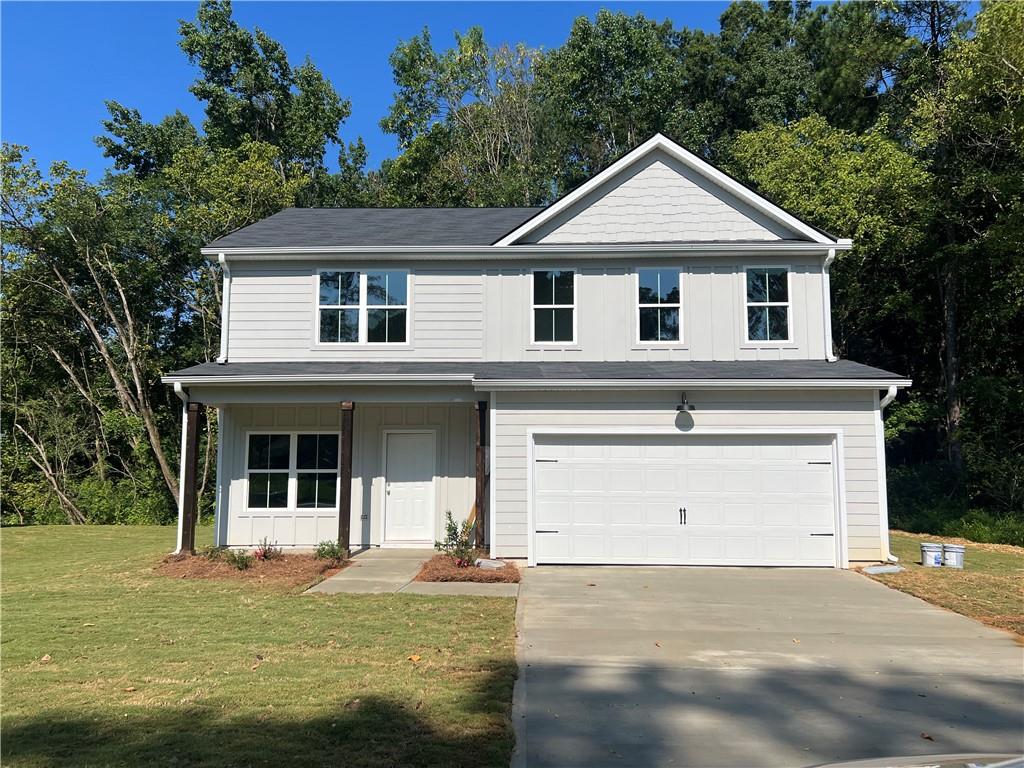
533, 375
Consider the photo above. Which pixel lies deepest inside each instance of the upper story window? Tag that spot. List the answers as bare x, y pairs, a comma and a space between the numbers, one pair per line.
554, 306
289, 471
363, 307
767, 304
658, 305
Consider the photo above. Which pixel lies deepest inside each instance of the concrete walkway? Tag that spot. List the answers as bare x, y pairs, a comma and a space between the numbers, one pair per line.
374, 571
743, 667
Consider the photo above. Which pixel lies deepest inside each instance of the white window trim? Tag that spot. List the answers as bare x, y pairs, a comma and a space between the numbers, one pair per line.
573, 306
292, 471
788, 304
363, 308
637, 306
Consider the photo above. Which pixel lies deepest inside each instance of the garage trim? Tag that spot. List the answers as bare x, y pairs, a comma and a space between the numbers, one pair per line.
836, 433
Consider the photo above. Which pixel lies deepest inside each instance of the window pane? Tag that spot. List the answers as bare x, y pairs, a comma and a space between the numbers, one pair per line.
778, 285
668, 325
306, 489
563, 324
778, 323
339, 325
327, 452
259, 446
543, 325
280, 447
757, 323
386, 287
396, 325
329, 290
258, 482
277, 496
339, 288
658, 286
305, 451
377, 325
543, 287
564, 286
757, 286
648, 325
327, 489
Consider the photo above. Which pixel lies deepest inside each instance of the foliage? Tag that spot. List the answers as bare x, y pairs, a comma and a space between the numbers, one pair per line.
239, 558
267, 551
458, 541
330, 549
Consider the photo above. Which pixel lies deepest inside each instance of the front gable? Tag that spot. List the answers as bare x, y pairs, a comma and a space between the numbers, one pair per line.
661, 193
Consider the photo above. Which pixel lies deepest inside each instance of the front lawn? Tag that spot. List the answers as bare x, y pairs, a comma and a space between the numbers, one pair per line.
989, 589
106, 662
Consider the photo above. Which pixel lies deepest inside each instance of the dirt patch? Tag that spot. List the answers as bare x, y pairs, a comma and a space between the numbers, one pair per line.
443, 568
1008, 549
287, 570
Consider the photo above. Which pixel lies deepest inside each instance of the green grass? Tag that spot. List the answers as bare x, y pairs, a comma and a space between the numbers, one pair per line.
146, 669
989, 589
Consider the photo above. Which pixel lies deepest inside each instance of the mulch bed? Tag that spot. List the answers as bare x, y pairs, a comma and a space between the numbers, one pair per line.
443, 568
287, 570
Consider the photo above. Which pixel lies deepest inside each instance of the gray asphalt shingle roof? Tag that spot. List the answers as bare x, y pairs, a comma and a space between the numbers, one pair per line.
481, 371
339, 227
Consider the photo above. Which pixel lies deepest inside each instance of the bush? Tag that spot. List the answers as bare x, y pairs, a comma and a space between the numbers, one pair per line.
458, 541
329, 550
239, 558
987, 528
267, 551
211, 552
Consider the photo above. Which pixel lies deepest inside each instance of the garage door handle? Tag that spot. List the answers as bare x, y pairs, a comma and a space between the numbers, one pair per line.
682, 515
822, 534
545, 531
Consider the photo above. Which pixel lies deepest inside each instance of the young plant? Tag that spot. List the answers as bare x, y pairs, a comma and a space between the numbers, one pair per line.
211, 552
239, 558
458, 542
329, 549
267, 551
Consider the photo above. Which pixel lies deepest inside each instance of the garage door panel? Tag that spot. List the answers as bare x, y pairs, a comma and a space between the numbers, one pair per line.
749, 500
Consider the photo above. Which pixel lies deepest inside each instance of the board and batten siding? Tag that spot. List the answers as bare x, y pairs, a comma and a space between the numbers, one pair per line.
852, 411
713, 313
272, 313
454, 484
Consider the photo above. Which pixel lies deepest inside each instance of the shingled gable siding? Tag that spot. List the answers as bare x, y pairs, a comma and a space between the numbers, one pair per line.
273, 314
852, 411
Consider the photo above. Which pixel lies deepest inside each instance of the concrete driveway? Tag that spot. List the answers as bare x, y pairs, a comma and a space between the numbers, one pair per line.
752, 667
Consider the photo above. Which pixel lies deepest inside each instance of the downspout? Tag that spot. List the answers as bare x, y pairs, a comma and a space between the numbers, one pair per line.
883, 491
826, 298
225, 308
182, 394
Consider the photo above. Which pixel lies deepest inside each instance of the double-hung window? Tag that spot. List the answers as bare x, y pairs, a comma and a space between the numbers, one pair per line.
292, 471
658, 305
363, 307
767, 304
554, 306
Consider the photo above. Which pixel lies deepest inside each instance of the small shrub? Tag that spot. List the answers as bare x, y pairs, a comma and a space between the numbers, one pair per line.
329, 550
211, 552
239, 558
267, 551
458, 542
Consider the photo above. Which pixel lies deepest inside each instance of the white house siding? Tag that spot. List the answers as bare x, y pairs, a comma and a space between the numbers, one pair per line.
713, 312
852, 411
274, 304
658, 200
454, 484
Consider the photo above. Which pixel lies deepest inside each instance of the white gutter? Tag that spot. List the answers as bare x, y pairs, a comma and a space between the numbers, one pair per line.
826, 298
458, 378
530, 251
883, 490
179, 390
225, 308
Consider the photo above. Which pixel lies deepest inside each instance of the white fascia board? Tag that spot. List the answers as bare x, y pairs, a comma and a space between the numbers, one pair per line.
528, 251
691, 384
687, 158
457, 378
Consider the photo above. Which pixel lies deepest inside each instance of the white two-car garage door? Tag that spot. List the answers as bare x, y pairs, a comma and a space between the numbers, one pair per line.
697, 500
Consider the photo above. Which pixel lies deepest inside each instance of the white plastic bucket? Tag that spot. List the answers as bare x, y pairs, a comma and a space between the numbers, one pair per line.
931, 555
953, 555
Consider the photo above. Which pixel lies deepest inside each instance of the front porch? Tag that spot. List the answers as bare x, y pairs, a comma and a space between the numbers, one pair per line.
394, 465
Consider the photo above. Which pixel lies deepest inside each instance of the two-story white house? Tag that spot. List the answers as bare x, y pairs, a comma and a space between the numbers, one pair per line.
640, 373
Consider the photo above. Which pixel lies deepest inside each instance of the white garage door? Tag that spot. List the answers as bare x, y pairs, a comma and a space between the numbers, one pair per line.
700, 500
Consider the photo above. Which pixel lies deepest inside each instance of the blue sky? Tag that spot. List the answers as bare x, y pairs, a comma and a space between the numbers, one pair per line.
61, 60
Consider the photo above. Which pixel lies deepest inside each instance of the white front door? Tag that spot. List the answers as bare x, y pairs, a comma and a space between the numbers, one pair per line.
409, 467
689, 500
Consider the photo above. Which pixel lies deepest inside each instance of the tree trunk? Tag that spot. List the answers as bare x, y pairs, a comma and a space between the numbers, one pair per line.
951, 361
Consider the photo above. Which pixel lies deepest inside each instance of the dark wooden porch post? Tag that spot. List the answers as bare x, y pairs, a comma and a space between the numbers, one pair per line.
189, 502
480, 432
345, 477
